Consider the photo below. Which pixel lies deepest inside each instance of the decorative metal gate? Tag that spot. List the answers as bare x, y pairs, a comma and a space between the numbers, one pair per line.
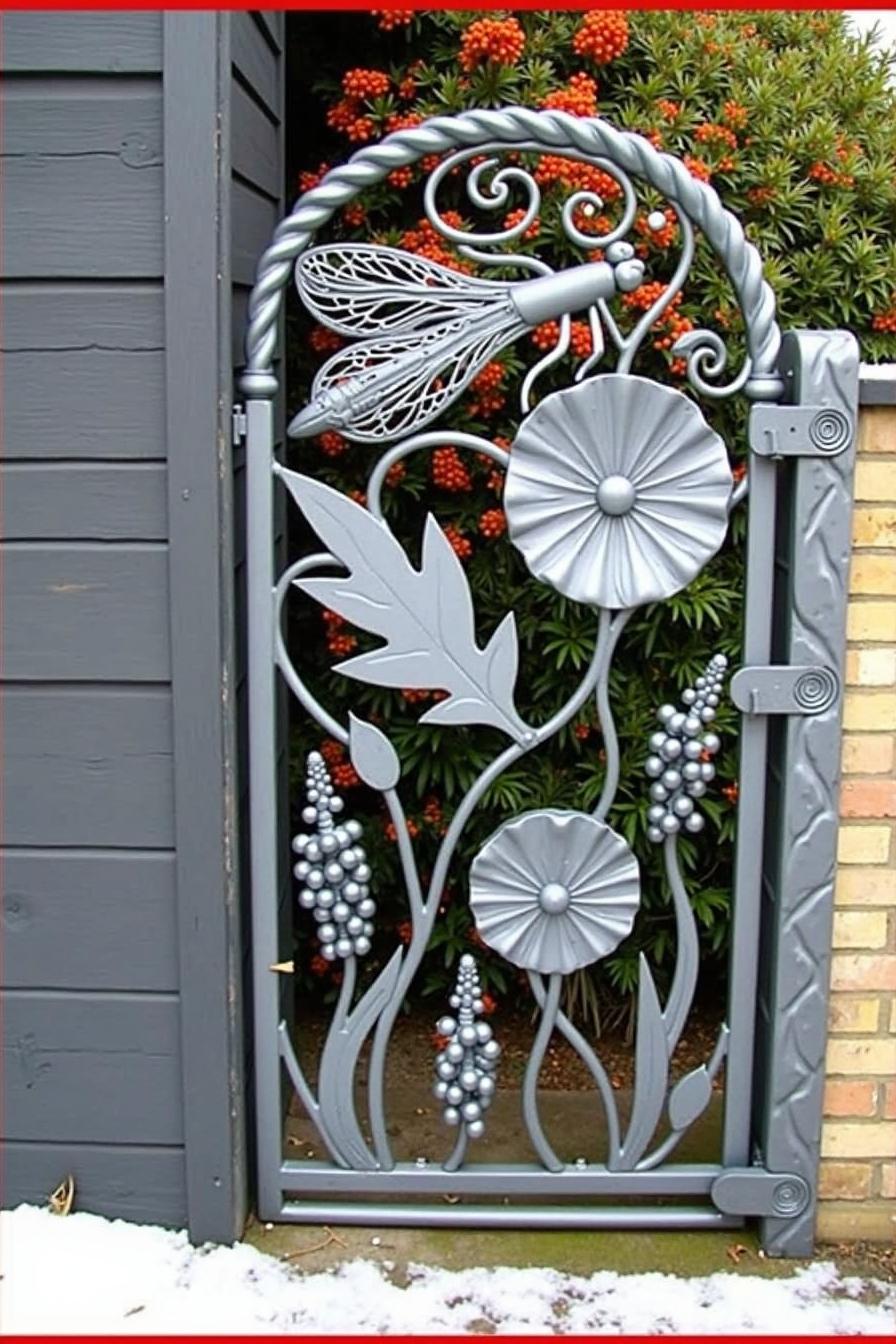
617, 494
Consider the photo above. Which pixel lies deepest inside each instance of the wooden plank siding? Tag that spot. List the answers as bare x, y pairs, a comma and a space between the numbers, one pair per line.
120, 986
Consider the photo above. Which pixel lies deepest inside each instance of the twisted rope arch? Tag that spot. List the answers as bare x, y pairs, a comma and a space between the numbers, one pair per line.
552, 130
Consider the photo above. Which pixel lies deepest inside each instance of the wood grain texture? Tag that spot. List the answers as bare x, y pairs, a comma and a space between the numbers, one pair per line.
253, 220
85, 612
82, 501
111, 225
198, 379
80, 117
83, 371
254, 143
273, 22
139, 1183
89, 919
256, 60
91, 1068
99, 317
91, 766
90, 404
101, 41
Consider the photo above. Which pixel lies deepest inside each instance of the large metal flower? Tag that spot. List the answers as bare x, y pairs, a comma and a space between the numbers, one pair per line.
617, 491
553, 891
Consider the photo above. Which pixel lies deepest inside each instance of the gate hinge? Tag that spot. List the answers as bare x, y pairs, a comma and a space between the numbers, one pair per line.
799, 431
784, 689
240, 425
755, 1192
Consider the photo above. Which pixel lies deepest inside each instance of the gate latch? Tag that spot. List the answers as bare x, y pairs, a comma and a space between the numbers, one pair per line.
784, 689
239, 425
799, 431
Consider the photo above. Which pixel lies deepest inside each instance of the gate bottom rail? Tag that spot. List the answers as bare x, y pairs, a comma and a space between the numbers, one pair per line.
735, 1192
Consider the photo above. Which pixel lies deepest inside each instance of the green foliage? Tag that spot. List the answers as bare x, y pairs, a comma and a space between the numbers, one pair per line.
806, 161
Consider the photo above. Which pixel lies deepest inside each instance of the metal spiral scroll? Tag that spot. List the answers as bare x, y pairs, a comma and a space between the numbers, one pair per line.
550, 130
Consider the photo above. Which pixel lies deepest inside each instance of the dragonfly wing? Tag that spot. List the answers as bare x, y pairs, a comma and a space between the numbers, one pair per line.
401, 383
362, 290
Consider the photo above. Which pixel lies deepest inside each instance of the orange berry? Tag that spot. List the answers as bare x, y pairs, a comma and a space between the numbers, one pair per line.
603, 35
332, 444
500, 41
365, 83
449, 472
392, 18
460, 545
493, 523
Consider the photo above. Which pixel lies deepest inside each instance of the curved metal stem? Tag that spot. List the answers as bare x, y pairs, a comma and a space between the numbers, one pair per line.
281, 653
632, 342
423, 927
671, 1141
605, 716
589, 1058
346, 990
684, 979
303, 1091
430, 439
458, 1152
530, 1082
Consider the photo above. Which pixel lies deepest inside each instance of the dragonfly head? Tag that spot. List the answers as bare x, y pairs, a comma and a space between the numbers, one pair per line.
328, 410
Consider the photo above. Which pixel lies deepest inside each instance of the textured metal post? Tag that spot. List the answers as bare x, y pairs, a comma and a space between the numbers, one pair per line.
750, 821
822, 370
260, 388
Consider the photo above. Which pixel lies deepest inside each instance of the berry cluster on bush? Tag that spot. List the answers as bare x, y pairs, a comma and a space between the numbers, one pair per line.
793, 121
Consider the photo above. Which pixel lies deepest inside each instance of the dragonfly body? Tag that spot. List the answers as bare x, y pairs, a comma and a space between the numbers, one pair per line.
428, 332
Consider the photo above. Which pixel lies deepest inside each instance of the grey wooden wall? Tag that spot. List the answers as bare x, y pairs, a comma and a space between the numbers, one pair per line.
121, 966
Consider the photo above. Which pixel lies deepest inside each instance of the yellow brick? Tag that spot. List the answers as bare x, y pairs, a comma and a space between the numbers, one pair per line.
862, 1058
848, 1138
874, 667
849, 1015
877, 430
893, 1017
871, 621
860, 928
875, 480
874, 526
873, 574
869, 711
863, 844
866, 886
888, 1180
868, 754
863, 971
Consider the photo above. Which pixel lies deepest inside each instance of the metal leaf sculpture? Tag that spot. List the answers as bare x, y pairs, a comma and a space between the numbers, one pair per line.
425, 616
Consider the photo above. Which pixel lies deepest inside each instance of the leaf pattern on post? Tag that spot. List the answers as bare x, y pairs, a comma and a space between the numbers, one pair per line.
425, 616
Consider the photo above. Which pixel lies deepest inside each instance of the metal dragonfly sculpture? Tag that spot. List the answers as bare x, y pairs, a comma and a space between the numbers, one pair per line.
425, 331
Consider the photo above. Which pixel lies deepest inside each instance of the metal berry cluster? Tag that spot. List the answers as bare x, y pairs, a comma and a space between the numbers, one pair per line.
681, 765
333, 869
465, 1068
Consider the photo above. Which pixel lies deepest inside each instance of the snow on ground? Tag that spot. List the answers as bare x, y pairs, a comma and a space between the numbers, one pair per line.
84, 1274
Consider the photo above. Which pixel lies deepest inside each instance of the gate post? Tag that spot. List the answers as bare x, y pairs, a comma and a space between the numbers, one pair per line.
821, 370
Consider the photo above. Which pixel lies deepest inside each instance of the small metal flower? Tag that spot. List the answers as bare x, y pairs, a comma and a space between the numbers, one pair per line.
465, 1067
680, 765
617, 491
333, 869
552, 891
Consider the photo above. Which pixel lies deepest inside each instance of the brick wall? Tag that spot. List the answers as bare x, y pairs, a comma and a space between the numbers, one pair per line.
858, 1148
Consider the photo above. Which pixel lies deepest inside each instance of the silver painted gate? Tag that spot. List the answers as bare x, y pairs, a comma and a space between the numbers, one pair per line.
617, 494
